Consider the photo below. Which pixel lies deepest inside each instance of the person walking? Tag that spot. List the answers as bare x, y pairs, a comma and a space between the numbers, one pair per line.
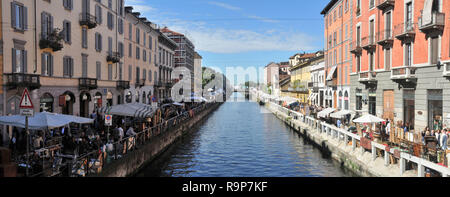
444, 139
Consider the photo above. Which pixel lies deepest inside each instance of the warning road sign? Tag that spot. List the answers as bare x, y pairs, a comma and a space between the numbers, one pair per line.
25, 102
108, 120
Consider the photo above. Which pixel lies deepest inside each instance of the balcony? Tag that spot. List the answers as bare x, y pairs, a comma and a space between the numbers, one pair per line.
87, 83
368, 43
405, 76
356, 48
436, 24
384, 38
140, 82
368, 78
88, 20
405, 32
113, 57
385, 4
123, 85
51, 41
16, 80
447, 70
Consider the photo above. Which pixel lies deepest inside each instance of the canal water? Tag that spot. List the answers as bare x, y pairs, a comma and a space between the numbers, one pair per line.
241, 139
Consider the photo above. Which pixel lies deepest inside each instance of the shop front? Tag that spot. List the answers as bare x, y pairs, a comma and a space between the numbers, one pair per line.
409, 108
435, 117
46, 103
66, 102
85, 98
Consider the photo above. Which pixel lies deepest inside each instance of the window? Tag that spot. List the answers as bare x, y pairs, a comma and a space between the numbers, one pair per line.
434, 56
371, 4
110, 21
110, 72
98, 42
120, 70
68, 67
67, 31
68, 4
47, 24
138, 73
138, 53
47, 64
130, 32
120, 7
84, 42
110, 42
99, 70
144, 74
110, 4
19, 61
144, 55
155, 75
130, 50
346, 6
387, 60
408, 21
98, 14
84, 65
145, 40
150, 42
149, 76
120, 46
19, 16
138, 33
408, 54
120, 26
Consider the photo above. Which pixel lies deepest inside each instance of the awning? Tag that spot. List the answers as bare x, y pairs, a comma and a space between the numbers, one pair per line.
330, 74
324, 113
341, 114
43, 120
427, 12
137, 110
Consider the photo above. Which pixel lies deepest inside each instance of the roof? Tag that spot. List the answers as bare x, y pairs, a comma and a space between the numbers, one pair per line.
197, 56
167, 30
285, 80
328, 7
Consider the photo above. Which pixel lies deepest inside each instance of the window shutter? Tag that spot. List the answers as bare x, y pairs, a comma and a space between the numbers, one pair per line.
51, 23
65, 3
71, 67
96, 41
25, 18
13, 15
43, 25
24, 61
50, 72
14, 60
43, 64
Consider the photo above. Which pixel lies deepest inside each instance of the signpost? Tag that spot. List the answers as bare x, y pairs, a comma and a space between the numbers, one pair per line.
27, 110
108, 123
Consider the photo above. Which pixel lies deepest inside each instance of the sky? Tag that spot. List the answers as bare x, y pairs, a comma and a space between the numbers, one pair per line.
241, 33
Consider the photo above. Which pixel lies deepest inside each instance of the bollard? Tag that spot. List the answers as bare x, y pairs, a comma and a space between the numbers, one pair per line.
402, 166
386, 158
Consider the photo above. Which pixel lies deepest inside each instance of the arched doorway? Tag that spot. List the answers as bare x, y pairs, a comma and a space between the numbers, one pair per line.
66, 101
98, 102
340, 100
128, 97
46, 103
13, 105
85, 98
137, 96
149, 97
109, 98
346, 100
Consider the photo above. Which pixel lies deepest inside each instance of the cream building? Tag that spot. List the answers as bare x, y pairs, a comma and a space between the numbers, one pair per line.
166, 64
73, 75
198, 89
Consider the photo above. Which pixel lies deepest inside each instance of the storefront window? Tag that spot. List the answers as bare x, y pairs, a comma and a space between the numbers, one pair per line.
435, 109
408, 108
128, 97
46, 103
373, 103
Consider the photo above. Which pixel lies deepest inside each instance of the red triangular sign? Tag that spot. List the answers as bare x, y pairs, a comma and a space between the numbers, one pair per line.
25, 102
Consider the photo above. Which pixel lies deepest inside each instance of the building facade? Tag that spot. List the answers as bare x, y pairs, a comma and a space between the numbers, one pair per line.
338, 21
166, 64
198, 74
62, 61
184, 54
317, 84
402, 61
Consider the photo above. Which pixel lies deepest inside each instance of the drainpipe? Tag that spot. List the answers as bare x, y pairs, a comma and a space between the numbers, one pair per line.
35, 37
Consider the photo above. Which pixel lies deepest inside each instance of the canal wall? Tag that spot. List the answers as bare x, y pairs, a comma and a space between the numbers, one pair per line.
357, 160
131, 163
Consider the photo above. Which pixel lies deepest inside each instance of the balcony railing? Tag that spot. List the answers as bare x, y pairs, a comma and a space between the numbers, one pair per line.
385, 37
447, 69
368, 43
113, 57
15, 80
123, 85
140, 82
51, 41
88, 20
366, 76
405, 72
384, 4
87, 83
404, 31
356, 47
437, 22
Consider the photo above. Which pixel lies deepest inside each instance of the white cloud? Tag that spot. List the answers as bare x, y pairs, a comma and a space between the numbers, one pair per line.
263, 19
224, 5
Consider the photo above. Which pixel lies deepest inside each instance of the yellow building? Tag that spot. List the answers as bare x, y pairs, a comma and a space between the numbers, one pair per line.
300, 76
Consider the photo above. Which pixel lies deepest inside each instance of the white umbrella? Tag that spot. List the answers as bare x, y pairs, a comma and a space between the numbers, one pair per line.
43, 120
368, 118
